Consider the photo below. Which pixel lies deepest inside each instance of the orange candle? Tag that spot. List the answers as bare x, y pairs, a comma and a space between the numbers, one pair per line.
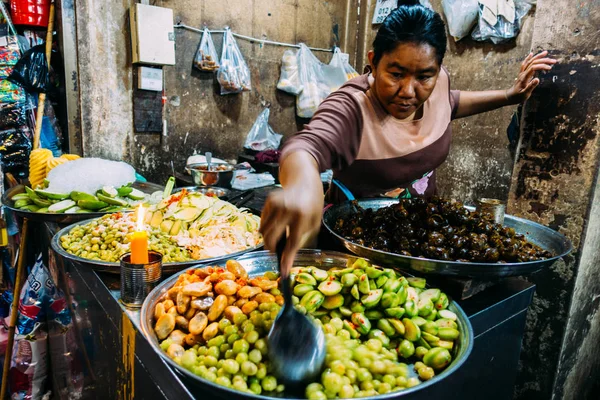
139, 241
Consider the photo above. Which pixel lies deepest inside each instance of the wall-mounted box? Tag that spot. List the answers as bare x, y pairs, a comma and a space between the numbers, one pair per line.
152, 35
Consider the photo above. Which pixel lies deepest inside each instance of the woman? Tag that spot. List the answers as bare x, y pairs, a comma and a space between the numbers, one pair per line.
385, 132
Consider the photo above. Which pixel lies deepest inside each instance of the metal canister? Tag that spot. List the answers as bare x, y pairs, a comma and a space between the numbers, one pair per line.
137, 280
494, 207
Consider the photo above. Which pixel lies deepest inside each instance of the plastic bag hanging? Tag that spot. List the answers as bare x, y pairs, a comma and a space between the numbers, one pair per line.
234, 74
289, 80
461, 16
261, 136
499, 21
338, 61
31, 71
206, 57
314, 86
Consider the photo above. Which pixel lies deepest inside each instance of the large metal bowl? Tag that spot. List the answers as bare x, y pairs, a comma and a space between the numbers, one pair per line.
220, 174
63, 218
540, 235
257, 264
114, 268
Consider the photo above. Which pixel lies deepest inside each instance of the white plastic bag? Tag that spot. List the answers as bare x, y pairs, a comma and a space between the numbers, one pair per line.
261, 136
245, 180
234, 74
314, 86
338, 71
461, 16
289, 79
498, 21
206, 57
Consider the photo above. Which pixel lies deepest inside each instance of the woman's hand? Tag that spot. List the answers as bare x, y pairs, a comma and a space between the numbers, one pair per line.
526, 81
296, 209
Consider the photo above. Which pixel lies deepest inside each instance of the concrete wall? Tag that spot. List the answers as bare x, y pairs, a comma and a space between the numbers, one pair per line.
104, 68
199, 118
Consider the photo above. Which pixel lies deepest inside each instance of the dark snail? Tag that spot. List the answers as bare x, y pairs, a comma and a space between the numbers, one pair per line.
438, 229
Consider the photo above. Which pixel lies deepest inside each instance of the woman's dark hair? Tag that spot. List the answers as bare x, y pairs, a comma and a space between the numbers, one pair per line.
410, 23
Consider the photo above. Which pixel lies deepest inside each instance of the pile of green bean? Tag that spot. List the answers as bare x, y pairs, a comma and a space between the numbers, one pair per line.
108, 238
376, 323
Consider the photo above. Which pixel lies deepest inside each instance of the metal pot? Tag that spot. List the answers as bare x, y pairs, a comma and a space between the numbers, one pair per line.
209, 191
220, 174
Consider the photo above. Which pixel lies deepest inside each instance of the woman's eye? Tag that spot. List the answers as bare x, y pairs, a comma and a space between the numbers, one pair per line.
396, 75
424, 78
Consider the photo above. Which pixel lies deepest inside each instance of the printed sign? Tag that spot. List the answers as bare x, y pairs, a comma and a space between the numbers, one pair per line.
382, 10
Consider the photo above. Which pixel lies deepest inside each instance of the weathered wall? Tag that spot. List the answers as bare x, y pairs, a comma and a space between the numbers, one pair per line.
480, 163
579, 363
552, 184
199, 118
105, 78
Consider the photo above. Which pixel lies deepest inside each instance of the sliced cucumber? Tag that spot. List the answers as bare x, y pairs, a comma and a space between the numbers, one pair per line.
52, 195
61, 206
91, 205
115, 201
111, 209
20, 196
109, 191
136, 195
76, 196
124, 190
73, 210
31, 193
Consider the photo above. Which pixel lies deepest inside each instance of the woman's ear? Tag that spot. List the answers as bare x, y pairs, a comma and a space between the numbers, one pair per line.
371, 57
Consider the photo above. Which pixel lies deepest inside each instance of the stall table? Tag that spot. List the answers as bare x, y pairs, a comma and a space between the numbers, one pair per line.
118, 362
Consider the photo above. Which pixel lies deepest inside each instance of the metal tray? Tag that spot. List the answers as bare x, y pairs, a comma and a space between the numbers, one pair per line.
257, 264
540, 235
114, 268
62, 218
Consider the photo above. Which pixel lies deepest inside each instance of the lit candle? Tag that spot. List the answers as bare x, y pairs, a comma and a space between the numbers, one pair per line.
139, 241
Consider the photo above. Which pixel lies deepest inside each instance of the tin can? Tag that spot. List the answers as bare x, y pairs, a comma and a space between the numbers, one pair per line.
137, 280
495, 208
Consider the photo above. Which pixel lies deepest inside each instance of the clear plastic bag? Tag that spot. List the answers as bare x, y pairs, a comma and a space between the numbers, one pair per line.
261, 136
206, 57
499, 29
314, 86
338, 61
289, 80
461, 16
234, 74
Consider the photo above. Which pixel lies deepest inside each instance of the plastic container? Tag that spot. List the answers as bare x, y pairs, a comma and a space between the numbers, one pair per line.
30, 12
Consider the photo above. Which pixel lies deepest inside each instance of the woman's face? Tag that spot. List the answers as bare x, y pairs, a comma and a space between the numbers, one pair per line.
405, 78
